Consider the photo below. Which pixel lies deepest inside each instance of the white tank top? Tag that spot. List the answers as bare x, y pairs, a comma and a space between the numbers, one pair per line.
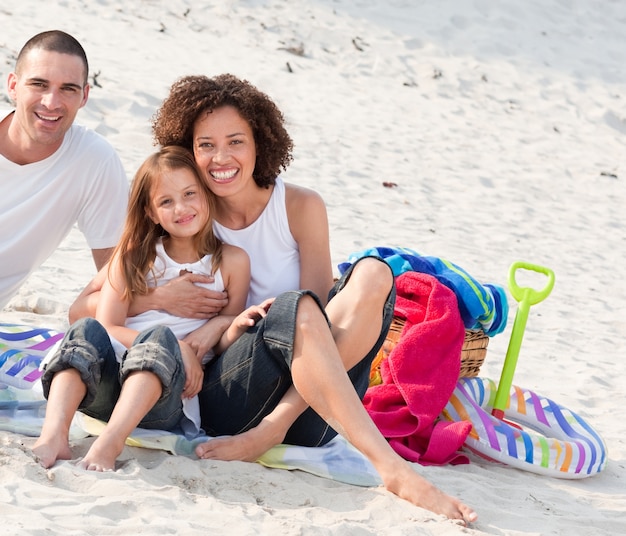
166, 269
273, 251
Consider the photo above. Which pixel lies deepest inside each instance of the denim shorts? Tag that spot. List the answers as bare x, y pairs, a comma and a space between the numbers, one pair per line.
87, 348
250, 378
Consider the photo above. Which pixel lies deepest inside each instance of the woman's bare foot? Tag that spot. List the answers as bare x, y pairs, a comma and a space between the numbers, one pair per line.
242, 447
102, 455
407, 484
49, 450
245, 447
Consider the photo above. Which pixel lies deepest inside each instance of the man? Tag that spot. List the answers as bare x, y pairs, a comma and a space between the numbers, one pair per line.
53, 173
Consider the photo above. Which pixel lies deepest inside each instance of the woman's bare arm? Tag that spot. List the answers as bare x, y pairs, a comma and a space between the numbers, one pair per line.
308, 222
179, 297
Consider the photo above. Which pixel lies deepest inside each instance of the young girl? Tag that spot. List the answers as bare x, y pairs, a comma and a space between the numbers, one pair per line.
137, 371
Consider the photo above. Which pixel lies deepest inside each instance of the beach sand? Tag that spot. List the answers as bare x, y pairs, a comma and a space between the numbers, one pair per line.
503, 125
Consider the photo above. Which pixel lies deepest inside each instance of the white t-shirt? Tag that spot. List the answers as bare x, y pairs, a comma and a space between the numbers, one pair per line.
82, 182
273, 251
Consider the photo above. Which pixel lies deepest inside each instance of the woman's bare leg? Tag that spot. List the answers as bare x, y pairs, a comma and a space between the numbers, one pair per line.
315, 361
67, 390
140, 392
355, 313
356, 317
249, 446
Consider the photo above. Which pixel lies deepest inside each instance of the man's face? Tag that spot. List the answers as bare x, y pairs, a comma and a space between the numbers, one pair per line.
48, 90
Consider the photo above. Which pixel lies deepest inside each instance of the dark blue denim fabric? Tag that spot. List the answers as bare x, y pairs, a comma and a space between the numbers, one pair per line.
248, 380
87, 348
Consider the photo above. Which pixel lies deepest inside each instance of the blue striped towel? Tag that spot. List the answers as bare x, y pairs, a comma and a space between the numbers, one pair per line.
483, 306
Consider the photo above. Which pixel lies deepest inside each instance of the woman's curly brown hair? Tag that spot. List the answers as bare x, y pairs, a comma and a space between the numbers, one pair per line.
191, 96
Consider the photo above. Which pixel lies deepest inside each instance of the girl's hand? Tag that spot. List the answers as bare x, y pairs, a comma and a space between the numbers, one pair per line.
241, 323
194, 374
252, 315
207, 336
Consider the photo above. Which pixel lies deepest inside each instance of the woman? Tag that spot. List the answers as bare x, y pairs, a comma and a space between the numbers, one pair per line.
297, 356
285, 379
239, 141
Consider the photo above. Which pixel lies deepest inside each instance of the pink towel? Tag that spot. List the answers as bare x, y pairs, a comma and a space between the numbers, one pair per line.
420, 373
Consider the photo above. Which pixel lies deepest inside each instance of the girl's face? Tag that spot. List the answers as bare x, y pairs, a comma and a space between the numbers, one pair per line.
224, 148
178, 203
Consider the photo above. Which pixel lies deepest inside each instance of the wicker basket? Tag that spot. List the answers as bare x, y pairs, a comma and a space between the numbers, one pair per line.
473, 351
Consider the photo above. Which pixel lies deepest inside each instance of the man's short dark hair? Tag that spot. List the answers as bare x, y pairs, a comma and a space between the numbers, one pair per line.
54, 41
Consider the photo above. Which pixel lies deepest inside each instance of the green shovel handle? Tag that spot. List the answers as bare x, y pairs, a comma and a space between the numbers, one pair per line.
526, 297
527, 294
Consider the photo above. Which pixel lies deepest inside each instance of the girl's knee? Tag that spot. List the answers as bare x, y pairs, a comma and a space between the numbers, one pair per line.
161, 335
84, 329
163, 362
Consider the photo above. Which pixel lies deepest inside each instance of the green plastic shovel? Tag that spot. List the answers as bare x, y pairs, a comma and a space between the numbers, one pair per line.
526, 297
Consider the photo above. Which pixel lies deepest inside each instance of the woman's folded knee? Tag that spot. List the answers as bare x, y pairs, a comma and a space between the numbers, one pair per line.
370, 276
377, 274
310, 310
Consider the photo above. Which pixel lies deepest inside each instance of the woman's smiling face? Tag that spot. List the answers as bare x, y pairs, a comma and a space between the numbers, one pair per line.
224, 149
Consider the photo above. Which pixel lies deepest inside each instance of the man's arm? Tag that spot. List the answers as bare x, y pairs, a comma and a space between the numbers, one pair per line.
101, 257
86, 302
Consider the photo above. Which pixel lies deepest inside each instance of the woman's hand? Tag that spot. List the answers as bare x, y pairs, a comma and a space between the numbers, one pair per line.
183, 297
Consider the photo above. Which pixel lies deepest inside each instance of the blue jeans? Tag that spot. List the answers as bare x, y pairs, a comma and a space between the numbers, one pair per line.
250, 378
87, 348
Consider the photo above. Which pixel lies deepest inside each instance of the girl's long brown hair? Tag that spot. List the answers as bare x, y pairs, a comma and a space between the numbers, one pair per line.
136, 250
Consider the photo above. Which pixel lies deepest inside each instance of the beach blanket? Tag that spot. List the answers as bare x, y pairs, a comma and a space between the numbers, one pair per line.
483, 306
22, 412
420, 373
21, 350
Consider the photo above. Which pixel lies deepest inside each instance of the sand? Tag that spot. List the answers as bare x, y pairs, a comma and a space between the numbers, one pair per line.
503, 125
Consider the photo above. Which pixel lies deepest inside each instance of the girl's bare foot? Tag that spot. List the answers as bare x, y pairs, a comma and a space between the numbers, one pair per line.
102, 455
48, 451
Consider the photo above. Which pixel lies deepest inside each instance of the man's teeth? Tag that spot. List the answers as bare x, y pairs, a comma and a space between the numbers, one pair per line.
49, 118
